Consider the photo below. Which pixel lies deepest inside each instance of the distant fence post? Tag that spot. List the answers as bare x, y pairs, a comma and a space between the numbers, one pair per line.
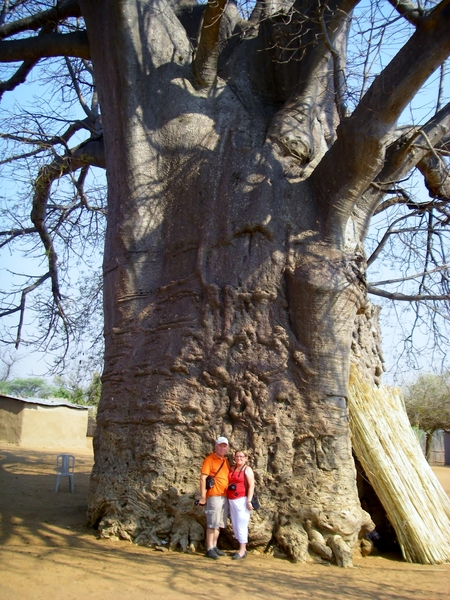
438, 455
92, 422
447, 447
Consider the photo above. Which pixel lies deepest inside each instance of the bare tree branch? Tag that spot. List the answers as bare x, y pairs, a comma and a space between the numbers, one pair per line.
400, 158
19, 77
92, 116
206, 57
340, 85
26, 67
4, 12
257, 13
60, 225
401, 197
409, 277
405, 297
45, 144
435, 172
14, 233
62, 10
90, 152
366, 132
410, 10
390, 231
441, 87
21, 307
54, 44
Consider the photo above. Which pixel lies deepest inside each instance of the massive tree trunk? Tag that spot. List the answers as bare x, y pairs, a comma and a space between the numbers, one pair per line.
233, 274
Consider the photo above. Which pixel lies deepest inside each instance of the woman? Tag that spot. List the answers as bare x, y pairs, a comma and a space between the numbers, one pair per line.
241, 484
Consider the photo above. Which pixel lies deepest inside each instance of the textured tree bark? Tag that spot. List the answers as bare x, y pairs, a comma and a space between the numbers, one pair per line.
230, 307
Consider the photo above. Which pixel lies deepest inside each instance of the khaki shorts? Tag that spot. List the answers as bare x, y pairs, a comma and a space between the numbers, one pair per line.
216, 512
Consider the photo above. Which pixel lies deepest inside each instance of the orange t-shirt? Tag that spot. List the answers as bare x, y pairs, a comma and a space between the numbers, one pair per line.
211, 466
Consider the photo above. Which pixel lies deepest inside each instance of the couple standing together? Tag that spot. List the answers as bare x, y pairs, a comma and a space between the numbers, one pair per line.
232, 490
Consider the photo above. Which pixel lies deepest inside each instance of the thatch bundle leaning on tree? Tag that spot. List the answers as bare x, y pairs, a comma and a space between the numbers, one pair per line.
395, 465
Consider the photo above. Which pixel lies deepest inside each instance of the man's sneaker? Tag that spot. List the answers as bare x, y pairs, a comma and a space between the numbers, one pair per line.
212, 554
219, 552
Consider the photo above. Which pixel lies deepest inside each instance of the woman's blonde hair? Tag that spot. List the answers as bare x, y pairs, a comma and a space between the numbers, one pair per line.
244, 452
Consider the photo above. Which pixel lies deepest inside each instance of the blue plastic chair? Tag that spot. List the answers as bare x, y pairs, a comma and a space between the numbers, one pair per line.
65, 467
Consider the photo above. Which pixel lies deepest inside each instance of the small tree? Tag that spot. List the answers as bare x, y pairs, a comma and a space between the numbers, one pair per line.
79, 390
70, 389
6, 365
428, 405
33, 387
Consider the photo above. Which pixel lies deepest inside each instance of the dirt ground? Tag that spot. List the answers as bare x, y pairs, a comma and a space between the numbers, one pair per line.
47, 552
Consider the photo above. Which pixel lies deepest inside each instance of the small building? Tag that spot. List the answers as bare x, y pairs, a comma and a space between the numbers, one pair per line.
41, 422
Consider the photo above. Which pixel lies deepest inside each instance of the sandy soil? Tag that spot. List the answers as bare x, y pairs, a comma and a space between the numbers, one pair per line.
47, 552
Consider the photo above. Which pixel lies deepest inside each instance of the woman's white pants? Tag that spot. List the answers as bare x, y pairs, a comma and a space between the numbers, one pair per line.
240, 517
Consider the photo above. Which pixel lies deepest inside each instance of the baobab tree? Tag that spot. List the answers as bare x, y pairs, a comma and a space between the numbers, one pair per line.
241, 186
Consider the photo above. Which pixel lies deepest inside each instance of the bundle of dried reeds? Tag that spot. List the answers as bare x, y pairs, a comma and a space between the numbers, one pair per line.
414, 501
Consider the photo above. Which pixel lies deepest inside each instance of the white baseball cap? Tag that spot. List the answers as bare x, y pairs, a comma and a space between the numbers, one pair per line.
222, 440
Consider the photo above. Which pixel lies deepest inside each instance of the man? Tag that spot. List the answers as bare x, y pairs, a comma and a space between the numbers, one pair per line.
215, 498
